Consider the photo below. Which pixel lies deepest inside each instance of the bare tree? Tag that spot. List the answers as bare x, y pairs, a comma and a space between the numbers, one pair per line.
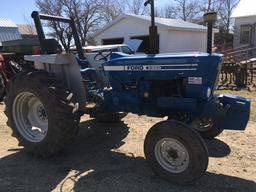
187, 10
30, 27
112, 9
169, 11
210, 5
227, 7
137, 7
88, 15
58, 30
224, 9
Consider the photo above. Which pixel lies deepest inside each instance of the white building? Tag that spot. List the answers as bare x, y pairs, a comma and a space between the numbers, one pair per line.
245, 24
174, 35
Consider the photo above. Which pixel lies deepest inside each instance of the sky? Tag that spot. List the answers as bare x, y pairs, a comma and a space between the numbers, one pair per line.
19, 11
245, 8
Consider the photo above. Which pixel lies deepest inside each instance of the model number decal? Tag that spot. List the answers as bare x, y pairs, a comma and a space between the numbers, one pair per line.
159, 67
173, 67
134, 68
143, 68
195, 80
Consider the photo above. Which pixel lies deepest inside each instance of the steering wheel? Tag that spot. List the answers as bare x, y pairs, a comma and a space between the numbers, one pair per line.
99, 56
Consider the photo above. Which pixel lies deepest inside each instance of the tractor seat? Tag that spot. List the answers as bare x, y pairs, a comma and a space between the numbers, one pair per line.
85, 70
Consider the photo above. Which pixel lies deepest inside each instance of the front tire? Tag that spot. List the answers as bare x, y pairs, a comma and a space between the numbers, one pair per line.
176, 152
41, 113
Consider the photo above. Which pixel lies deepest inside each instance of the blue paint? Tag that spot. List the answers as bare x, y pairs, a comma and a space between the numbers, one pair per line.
167, 84
238, 114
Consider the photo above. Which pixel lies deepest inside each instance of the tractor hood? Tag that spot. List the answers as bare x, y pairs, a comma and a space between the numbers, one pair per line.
199, 71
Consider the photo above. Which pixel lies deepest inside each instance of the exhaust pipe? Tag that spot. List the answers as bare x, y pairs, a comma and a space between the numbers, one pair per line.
153, 34
210, 18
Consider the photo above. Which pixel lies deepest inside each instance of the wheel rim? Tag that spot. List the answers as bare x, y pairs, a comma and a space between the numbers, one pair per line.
203, 124
30, 117
172, 155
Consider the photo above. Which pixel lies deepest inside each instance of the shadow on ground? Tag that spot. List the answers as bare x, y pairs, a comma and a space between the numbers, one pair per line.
90, 164
217, 148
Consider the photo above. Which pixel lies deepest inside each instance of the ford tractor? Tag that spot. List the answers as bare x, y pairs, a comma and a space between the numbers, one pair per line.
44, 105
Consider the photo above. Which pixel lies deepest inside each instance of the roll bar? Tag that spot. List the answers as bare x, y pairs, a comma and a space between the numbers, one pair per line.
41, 35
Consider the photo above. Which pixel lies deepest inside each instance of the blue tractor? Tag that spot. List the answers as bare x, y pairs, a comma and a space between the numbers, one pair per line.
44, 105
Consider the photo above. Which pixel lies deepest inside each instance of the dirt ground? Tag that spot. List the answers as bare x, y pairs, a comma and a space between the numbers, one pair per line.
110, 158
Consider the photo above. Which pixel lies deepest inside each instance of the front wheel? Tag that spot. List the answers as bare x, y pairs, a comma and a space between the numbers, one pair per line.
176, 152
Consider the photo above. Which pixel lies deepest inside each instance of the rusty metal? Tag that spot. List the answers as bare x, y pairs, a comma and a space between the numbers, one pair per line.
239, 69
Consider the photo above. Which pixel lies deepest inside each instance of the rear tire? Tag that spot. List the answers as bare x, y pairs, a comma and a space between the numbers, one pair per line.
176, 152
41, 113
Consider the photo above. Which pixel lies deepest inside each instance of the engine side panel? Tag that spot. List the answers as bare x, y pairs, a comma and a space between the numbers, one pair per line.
147, 84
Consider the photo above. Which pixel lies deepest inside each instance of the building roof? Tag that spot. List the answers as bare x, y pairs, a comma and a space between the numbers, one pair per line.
172, 24
245, 8
27, 30
8, 31
7, 23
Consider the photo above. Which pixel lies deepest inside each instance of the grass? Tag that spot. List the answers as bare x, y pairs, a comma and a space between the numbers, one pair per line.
247, 94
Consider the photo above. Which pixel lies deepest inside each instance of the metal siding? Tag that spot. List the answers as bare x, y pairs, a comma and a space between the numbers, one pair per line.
8, 31
9, 34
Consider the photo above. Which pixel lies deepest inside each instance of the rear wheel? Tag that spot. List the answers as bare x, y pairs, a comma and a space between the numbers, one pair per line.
176, 152
41, 113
